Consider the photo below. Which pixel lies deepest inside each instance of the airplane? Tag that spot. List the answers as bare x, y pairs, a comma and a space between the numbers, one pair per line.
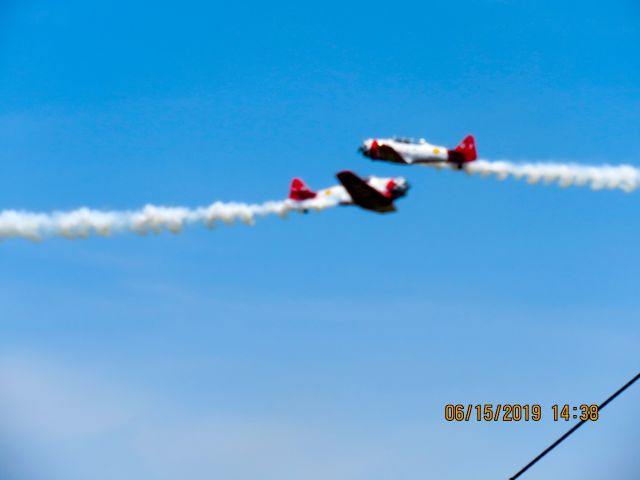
407, 151
372, 193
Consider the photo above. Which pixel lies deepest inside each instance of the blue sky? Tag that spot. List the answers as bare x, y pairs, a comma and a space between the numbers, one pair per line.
325, 346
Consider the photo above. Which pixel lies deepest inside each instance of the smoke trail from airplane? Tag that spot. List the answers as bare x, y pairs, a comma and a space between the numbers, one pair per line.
84, 222
623, 177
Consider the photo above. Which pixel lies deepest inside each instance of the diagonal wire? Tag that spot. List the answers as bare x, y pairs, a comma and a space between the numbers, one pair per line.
574, 428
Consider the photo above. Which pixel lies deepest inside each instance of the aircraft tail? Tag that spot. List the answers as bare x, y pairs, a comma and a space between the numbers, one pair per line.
467, 148
299, 191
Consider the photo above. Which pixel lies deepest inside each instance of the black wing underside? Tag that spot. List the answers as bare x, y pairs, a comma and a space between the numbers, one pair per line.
364, 195
387, 153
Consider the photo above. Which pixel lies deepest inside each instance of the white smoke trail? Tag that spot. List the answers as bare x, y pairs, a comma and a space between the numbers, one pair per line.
623, 177
85, 222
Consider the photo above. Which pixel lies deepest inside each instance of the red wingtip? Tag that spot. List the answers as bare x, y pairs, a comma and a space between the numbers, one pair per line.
299, 191
468, 148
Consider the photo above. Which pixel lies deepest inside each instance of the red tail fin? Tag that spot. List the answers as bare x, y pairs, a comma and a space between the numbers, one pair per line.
299, 191
467, 148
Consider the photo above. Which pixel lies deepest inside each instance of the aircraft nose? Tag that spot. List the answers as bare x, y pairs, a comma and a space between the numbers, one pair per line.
368, 148
403, 186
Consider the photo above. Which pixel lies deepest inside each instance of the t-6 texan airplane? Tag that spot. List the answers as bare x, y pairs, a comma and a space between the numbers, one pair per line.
373, 193
402, 150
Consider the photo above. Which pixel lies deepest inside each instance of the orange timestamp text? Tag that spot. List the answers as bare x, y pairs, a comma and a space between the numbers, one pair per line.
515, 412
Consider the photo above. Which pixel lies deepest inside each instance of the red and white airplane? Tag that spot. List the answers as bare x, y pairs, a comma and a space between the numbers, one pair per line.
372, 193
406, 151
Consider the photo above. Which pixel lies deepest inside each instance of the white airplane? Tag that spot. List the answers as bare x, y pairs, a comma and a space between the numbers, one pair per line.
372, 193
406, 151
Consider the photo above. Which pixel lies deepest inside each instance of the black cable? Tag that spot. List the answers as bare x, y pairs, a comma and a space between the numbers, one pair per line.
574, 428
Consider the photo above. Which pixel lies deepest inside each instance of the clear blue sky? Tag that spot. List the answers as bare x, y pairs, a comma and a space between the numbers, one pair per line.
325, 346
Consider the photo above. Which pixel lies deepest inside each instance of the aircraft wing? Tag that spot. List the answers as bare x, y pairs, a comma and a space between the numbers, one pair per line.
363, 194
385, 152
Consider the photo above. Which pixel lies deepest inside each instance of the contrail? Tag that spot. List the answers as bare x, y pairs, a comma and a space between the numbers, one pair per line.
84, 222
623, 177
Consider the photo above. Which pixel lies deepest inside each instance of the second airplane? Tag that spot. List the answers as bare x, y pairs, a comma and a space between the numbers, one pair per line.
406, 151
